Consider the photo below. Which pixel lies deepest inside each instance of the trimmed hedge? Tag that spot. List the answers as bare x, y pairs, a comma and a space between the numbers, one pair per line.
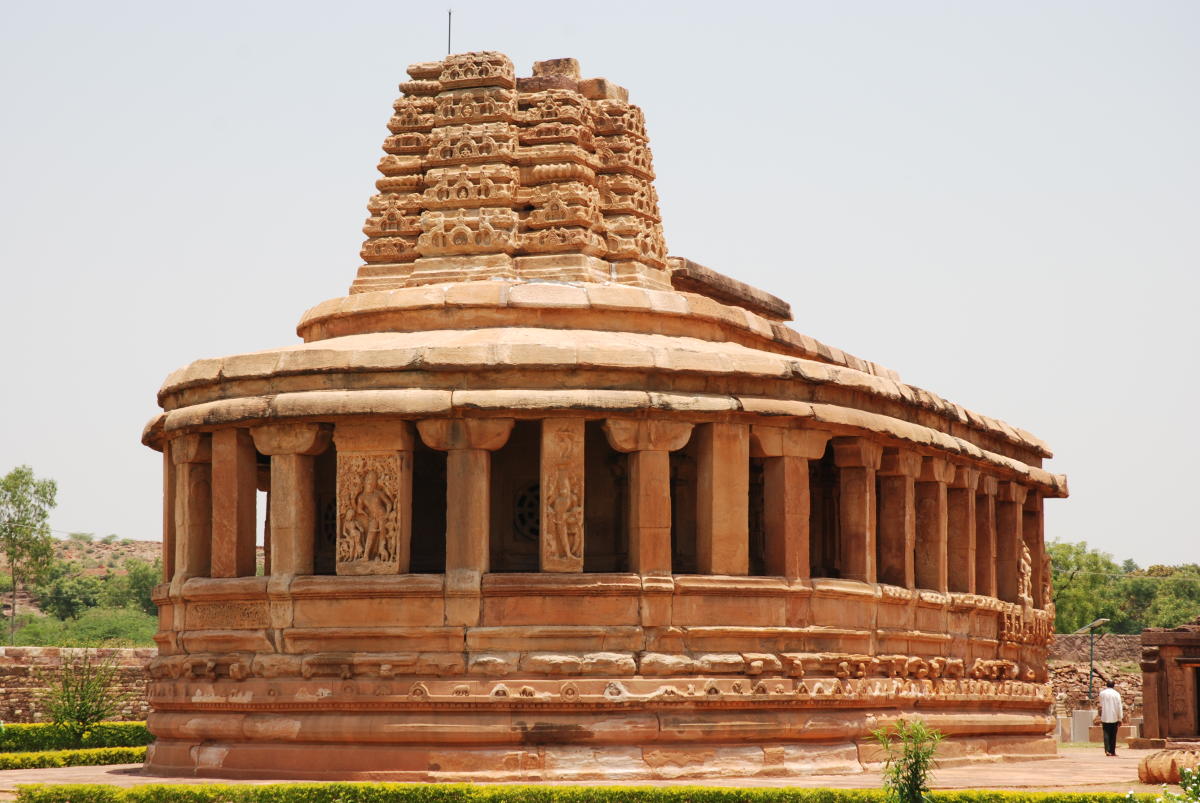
72, 758
456, 793
29, 737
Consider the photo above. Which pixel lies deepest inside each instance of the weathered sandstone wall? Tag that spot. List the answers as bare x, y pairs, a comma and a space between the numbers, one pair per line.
1109, 647
26, 671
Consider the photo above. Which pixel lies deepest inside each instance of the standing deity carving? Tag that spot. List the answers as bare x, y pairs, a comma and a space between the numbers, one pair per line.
562, 496
1025, 577
1047, 583
368, 525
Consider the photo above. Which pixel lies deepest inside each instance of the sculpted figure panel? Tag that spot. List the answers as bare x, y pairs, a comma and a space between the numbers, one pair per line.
368, 531
562, 496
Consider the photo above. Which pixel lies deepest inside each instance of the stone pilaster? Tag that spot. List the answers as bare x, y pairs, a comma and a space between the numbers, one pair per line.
374, 497
897, 527
930, 562
234, 483
292, 449
168, 542
857, 460
1031, 532
1010, 497
722, 499
561, 546
985, 536
786, 499
192, 456
468, 443
960, 530
649, 444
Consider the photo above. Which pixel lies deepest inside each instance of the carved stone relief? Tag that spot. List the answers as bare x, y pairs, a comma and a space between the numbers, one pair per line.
562, 495
368, 522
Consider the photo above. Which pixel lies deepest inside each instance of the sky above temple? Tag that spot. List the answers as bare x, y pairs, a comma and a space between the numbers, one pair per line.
998, 200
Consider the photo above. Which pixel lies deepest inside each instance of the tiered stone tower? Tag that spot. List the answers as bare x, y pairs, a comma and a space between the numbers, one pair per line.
543, 503
492, 176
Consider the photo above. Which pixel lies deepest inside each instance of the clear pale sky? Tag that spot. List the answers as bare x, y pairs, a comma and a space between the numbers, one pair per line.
999, 200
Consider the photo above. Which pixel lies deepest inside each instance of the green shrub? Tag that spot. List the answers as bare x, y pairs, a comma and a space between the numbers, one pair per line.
451, 793
909, 750
72, 758
25, 738
106, 627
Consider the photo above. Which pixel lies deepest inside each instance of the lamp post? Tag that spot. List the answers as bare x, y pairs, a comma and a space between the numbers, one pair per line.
1091, 631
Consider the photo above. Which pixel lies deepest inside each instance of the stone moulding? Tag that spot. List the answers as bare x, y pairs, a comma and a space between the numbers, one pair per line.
426, 402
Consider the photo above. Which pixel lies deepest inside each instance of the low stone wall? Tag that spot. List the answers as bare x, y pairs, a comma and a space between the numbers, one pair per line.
24, 672
1109, 647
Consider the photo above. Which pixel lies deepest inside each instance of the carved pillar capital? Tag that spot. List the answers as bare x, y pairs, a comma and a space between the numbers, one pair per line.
856, 452
768, 441
373, 436
936, 469
194, 448
646, 435
449, 434
1011, 492
965, 477
291, 438
899, 463
988, 486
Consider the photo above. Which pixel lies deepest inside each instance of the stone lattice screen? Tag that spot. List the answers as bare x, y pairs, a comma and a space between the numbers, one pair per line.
23, 671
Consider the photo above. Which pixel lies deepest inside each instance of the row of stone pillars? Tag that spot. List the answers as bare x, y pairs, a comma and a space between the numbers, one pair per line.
905, 519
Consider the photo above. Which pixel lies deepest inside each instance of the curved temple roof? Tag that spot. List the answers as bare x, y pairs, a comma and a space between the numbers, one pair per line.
511, 205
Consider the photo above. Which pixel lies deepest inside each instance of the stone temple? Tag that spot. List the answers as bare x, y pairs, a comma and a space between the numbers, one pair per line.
544, 502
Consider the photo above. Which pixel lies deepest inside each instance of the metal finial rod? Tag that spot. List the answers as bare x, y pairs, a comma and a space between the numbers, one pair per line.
449, 22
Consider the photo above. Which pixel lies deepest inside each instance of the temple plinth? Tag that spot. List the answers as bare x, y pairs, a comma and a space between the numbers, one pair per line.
544, 502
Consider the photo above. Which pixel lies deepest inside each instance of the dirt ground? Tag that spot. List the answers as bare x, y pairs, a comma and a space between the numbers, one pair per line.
1074, 770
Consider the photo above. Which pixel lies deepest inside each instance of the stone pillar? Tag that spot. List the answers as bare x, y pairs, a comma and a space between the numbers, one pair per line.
723, 499
235, 485
857, 460
292, 448
932, 518
374, 497
897, 528
168, 544
192, 456
264, 485
649, 444
985, 537
786, 500
1010, 497
1031, 532
561, 546
468, 443
960, 530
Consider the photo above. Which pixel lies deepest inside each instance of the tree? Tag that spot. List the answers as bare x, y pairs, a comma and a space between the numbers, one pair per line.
132, 589
25, 504
1089, 585
69, 594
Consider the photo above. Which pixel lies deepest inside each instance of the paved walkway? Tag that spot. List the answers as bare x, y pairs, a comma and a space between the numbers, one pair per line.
1074, 770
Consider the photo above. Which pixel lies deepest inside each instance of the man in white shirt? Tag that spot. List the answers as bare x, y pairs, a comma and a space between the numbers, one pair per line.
1111, 711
